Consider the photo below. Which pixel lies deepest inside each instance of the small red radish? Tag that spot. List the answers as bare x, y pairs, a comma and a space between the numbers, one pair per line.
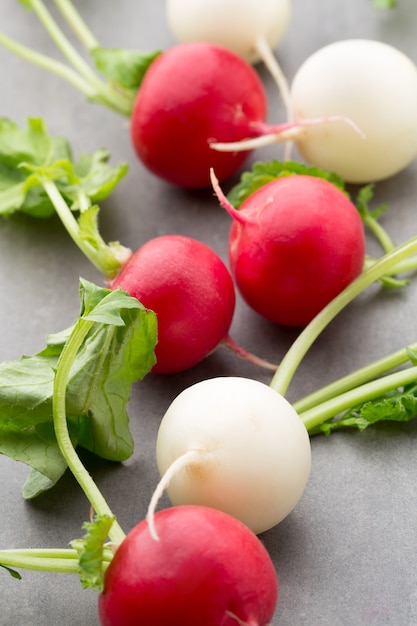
205, 569
294, 245
194, 94
191, 291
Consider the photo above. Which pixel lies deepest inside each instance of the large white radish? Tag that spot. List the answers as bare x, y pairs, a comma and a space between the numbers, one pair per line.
237, 445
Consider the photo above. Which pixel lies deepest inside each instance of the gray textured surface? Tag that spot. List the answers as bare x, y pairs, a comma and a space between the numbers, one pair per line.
347, 555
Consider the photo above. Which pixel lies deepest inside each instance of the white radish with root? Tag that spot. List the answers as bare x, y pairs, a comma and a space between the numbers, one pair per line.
250, 28
369, 84
236, 445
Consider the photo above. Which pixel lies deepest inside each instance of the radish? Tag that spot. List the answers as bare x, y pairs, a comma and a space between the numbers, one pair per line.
207, 569
258, 30
236, 445
369, 84
194, 94
294, 245
191, 291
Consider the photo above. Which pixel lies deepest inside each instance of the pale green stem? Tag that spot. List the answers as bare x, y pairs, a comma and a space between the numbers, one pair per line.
359, 377
102, 258
289, 364
101, 90
63, 44
379, 232
77, 24
317, 415
48, 64
84, 479
64, 561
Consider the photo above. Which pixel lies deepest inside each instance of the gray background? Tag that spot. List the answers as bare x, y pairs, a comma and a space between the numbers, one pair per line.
346, 555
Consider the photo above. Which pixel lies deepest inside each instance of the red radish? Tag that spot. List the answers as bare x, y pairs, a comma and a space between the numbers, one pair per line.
191, 291
194, 94
294, 244
207, 568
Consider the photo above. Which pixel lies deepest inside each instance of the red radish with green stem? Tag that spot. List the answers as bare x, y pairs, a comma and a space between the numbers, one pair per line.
294, 245
181, 279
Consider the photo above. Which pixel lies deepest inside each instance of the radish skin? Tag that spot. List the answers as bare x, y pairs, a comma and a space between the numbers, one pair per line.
207, 569
238, 446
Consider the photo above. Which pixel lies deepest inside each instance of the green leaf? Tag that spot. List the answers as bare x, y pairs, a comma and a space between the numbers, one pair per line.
123, 67
264, 173
396, 406
31, 150
12, 572
90, 551
118, 350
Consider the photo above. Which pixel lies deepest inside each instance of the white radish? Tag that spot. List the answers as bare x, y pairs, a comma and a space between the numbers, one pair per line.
374, 85
249, 27
354, 106
236, 445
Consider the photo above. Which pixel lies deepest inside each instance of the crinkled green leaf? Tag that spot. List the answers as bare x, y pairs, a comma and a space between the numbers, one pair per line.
124, 67
118, 350
32, 150
90, 551
396, 406
265, 172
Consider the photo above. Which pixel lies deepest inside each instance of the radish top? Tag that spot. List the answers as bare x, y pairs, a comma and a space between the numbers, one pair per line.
236, 24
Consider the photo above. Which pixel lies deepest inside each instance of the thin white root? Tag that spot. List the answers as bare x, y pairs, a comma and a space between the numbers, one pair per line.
273, 66
180, 463
283, 132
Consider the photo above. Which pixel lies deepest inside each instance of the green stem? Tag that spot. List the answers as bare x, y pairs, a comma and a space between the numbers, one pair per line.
63, 44
359, 377
85, 481
65, 561
317, 415
289, 364
107, 260
379, 232
99, 90
77, 24
48, 64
